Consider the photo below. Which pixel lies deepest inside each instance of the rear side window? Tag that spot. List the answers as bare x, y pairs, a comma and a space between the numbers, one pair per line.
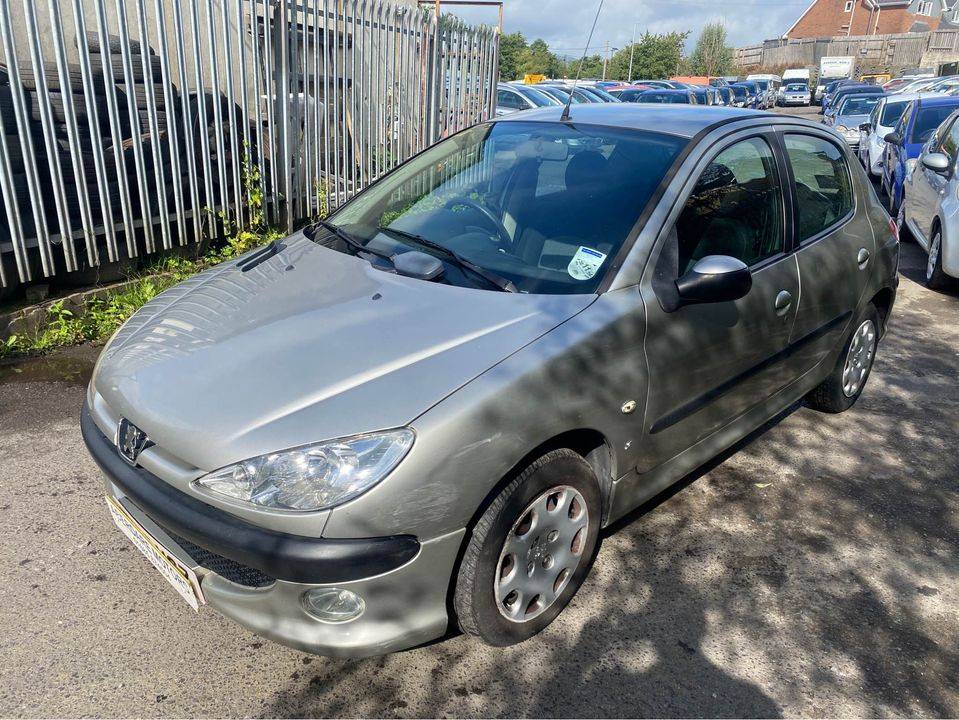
823, 187
505, 98
735, 209
928, 119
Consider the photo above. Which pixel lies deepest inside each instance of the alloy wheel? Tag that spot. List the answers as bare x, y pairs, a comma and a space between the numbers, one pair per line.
934, 247
862, 351
541, 553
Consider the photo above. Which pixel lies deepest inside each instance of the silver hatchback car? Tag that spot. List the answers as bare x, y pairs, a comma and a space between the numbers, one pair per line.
419, 414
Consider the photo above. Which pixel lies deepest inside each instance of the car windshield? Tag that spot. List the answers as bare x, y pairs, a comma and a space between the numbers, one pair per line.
738, 91
763, 84
539, 99
544, 205
928, 119
662, 98
892, 112
858, 106
796, 87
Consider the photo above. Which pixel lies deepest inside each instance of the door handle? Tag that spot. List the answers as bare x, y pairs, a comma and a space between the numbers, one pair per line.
784, 301
862, 258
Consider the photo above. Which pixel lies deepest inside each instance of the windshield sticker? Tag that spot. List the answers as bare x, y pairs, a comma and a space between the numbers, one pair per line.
585, 263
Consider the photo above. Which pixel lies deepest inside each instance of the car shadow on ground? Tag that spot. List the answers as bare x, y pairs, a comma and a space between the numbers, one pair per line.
801, 573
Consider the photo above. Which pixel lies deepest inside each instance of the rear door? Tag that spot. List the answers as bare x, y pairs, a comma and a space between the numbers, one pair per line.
835, 243
708, 364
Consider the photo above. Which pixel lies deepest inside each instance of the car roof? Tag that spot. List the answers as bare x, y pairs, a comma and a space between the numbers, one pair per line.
933, 100
683, 120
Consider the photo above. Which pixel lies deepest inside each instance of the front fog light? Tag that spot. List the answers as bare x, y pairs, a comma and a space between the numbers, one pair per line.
333, 605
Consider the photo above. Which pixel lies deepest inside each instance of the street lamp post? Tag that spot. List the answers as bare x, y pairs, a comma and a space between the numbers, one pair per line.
632, 48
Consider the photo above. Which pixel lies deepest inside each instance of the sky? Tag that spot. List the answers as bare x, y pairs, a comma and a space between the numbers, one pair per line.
565, 24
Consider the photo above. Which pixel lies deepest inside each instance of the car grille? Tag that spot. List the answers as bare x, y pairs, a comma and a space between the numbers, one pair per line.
224, 567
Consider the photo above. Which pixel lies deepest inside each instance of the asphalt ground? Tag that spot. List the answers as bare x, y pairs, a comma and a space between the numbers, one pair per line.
812, 572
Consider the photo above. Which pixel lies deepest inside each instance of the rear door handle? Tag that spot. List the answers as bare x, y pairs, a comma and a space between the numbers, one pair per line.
784, 301
862, 258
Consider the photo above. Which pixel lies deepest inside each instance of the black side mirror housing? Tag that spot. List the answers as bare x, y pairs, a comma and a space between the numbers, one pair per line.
865, 127
715, 278
893, 139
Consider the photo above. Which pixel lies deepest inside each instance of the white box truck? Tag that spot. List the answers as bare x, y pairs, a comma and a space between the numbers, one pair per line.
833, 68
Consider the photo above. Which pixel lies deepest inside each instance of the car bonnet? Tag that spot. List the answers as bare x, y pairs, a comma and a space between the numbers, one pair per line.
308, 345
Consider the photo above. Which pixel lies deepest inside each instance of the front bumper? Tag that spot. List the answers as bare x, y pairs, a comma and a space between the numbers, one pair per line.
403, 582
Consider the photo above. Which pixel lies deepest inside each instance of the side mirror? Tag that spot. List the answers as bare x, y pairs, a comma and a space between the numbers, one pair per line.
715, 278
865, 127
937, 162
893, 139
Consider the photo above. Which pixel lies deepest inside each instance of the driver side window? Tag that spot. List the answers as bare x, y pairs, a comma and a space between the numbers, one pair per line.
735, 209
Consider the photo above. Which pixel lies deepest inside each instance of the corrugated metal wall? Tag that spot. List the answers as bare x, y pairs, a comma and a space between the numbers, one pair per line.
131, 126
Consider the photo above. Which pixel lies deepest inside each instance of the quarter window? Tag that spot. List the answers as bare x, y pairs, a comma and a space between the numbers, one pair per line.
823, 187
508, 99
735, 209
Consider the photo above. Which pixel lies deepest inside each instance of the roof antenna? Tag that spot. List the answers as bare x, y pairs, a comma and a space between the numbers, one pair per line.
565, 116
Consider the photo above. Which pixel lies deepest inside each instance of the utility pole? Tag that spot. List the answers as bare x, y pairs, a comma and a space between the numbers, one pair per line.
605, 59
632, 48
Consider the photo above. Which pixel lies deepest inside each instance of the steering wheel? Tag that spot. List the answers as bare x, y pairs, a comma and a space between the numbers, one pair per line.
485, 212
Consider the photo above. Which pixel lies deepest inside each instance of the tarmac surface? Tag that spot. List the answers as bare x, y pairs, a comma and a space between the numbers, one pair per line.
813, 572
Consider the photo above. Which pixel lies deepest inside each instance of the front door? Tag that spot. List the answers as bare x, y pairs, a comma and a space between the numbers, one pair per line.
708, 364
927, 187
834, 252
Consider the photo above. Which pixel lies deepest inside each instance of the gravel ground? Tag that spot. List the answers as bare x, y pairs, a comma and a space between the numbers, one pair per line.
813, 572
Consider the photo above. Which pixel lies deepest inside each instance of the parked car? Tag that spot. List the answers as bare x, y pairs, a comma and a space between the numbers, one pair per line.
831, 89
382, 467
561, 95
885, 115
663, 97
767, 93
795, 94
754, 99
930, 206
903, 145
740, 95
516, 98
832, 102
853, 111
631, 89
601, 93
726, 95
704, 95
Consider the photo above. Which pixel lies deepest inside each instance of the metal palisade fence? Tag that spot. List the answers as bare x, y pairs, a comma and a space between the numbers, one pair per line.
128, 127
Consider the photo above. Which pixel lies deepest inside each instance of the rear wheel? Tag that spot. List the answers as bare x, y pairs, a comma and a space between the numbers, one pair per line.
936, 278
840, 390
530, 551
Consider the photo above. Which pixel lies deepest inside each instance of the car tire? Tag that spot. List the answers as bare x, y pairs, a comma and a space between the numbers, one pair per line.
551, 513
936, 278
840, 390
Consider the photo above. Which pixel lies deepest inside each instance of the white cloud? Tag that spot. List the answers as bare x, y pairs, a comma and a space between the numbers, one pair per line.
564, 24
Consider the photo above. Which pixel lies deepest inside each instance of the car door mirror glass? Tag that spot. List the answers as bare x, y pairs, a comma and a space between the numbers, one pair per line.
937, 162
715, 278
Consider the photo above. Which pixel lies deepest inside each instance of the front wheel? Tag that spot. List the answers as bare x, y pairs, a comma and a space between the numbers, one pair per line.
840, 390
530, 550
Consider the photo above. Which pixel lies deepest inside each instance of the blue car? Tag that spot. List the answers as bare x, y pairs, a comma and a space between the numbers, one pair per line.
904, 144
753, 94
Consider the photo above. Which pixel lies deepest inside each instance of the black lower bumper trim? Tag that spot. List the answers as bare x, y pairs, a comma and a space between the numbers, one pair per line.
281, 555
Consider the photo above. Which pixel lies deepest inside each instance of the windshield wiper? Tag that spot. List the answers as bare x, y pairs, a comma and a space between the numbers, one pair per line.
490, 277
353, 242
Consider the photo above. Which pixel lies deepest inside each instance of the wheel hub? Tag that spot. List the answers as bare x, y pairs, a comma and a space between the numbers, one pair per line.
862, 351
541, 553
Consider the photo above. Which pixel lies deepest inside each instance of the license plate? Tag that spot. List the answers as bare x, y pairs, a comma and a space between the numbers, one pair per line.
181, 577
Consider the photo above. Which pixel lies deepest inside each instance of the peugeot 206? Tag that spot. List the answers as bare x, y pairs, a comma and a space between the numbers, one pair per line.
418, 415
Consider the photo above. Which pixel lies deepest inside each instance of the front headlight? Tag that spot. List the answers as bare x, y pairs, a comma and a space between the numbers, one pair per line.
313, 477
842, 128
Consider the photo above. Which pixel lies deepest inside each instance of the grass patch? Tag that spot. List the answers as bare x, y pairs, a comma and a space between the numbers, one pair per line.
101, 317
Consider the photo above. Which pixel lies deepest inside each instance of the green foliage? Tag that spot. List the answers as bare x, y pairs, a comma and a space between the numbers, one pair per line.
655, 56
537, 59
510, 48
712, 56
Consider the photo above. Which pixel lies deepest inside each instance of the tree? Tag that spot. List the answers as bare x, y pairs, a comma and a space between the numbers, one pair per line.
654, 56
510, 48
537, 59
712, 55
